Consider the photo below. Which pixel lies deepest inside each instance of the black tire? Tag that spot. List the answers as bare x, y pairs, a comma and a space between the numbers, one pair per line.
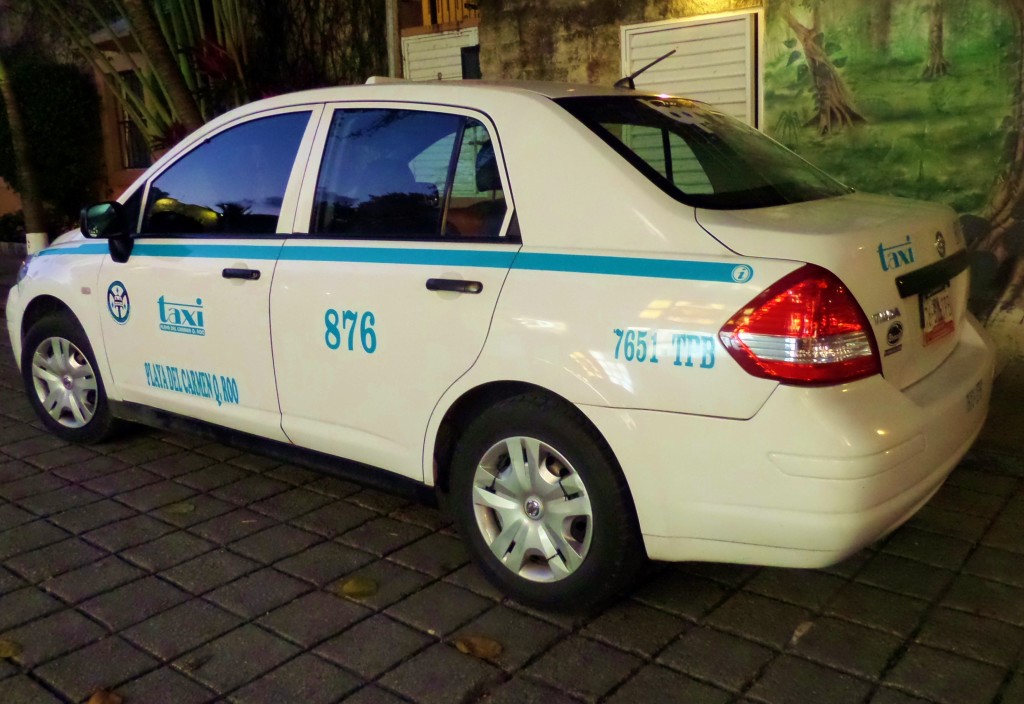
60, 345
604, 563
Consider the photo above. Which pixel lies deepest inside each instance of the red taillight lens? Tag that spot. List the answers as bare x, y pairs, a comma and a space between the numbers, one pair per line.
805, 329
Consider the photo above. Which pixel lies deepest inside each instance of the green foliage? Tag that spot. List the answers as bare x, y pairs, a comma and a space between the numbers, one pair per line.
61, 112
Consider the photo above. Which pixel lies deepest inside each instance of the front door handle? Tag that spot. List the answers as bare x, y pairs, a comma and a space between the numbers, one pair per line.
456, 285
247, 274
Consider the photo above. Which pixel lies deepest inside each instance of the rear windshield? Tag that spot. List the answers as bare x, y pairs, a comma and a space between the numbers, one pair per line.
699, 156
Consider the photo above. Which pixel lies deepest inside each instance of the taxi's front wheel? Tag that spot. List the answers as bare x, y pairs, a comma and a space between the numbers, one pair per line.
58, 369
538, 496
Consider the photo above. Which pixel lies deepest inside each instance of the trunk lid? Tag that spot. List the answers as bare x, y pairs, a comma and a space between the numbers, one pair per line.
904, 261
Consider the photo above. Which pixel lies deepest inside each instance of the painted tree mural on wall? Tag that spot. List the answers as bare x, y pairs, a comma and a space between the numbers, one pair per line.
938, 87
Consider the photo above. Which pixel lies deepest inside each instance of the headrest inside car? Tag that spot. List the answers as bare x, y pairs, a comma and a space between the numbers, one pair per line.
487, 178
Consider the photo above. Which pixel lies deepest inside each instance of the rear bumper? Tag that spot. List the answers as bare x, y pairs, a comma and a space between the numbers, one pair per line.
816, 475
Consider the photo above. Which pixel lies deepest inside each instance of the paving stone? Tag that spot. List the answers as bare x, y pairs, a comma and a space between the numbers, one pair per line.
146, 450
520, 690
757, 618
175, 465
254, 463
986, 598
877, 608
849, 567
997, 565
210, 571
249, 489
212, 476
429, 518
155, 495
22, 489
656, 685
334, 519
62, 456
437, 555
23, 605
60, 499
165, 686
378, 501
951, 523
905, 576
92, 579
607, 667
123, 481
306, 679
374, 645
9, 582
1005, 535
182, 440
701, 653
980, 638
217, 451
29, 536
439, 608
372, 694
470, 577
128, 532
296, 476
16, 469
681, 592
258, 593
393, 583
522, 637
1014, 691
310, 619
181, 628
34, 445
801, 587
846, 646
53, 635
944, 678
133, 602
333, 486
22, 690
382, 535
104, 664
632, 626
291, 503
274, 543
55, 559
90, 469
232, 526
884, 695
964, 500
440, 675
324, 563
11, 516
192, 511
790, 680
85, 518
168, 551
236, 658
930, 548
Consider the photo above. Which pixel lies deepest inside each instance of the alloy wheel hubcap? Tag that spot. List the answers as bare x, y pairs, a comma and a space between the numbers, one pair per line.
532, 509
64, 382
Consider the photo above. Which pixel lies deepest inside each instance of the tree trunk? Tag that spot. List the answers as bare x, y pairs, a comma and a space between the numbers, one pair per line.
882, 27
835, 106
937, 65
183, 103
31, 204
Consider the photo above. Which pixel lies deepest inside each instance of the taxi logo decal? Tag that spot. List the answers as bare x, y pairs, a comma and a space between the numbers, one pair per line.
186, 318
897, 255
118, 303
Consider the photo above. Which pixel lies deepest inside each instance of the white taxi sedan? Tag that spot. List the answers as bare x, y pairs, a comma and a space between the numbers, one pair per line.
601, 325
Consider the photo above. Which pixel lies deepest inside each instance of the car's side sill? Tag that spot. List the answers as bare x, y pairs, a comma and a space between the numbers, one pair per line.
366, 475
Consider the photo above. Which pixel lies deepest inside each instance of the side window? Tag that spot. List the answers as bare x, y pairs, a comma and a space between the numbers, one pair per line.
665, 152
477, 204
233, 183
407, 174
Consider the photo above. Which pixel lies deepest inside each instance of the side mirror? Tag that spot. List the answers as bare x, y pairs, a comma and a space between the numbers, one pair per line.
103, 221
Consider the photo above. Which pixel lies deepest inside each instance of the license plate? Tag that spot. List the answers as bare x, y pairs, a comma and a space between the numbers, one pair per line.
936, 314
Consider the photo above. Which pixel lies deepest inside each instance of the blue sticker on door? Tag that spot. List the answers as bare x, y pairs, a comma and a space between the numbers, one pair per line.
118, 303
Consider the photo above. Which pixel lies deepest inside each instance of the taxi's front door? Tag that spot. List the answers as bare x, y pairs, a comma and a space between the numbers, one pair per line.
186, 318
388, 299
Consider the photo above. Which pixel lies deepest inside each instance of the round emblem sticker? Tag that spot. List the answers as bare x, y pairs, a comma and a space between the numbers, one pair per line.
894, 334
742, 273
118, 304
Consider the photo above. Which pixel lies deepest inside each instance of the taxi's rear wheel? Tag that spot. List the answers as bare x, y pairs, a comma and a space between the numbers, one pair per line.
58, 369
538, 496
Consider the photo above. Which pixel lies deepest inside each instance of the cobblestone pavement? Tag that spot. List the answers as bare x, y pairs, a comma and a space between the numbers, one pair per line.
171, 570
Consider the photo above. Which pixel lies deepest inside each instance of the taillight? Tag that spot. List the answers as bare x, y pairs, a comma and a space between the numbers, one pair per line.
805, 329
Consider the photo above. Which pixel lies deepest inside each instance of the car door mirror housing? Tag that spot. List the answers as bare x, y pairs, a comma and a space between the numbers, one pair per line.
104, 221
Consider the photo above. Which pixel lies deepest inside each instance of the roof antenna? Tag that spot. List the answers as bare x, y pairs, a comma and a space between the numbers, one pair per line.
627, 81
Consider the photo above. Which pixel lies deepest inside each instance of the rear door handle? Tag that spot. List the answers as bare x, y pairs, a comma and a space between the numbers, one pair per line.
456, 285
248, 274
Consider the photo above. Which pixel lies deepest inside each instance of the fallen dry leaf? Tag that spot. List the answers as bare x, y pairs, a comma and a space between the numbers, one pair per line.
800, 632
103, 696
358, 587
9, 649
181, 508
479, 647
